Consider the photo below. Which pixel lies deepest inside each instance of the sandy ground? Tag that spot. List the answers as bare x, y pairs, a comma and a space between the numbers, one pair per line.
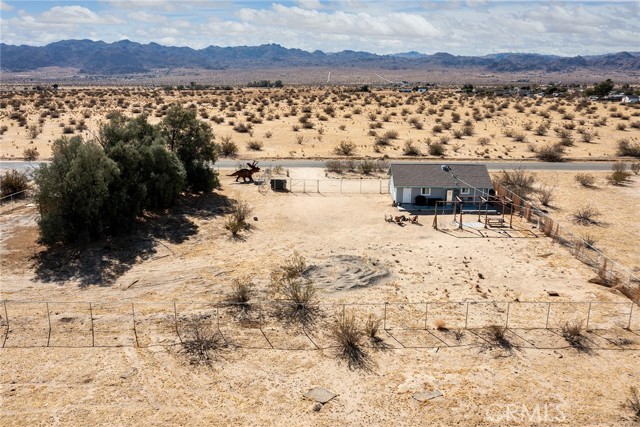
189, 256
335, 115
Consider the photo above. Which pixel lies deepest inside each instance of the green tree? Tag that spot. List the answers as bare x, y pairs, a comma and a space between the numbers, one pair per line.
73, 191
601, 89
192, 140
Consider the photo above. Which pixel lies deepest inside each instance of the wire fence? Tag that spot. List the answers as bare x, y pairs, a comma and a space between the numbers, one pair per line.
339, 186
609, 272
262, 324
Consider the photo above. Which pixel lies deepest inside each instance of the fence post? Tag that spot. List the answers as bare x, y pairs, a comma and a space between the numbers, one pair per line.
6, 335
318, 187
340, 185
304, 186
466, 317
360, 185
133, 318
93, 337
588, 317
175, 320
426, 311
628, 326
49, 319
384, 322
546, 325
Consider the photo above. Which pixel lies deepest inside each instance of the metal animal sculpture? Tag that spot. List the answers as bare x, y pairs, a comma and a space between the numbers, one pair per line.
246, 173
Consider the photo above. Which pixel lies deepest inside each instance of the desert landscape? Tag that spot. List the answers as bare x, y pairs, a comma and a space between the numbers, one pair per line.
316, 122
433, 360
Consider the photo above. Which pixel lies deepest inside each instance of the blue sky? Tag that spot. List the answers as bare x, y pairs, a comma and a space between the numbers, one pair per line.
463, 27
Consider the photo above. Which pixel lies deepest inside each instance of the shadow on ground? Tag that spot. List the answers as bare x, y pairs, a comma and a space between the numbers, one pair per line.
102, 263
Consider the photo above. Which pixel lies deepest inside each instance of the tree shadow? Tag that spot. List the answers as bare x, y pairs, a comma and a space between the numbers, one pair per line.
102, 263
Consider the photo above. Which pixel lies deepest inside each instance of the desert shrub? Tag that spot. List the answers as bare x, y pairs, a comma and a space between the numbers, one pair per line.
587, 136
621, 126
236, 221
254, 145
633, 402
200, 341
349, 339
519, 181
585, 179
242, 291
345, 148
437, 129
441, 325
12, 182
366, 167
586, 215
497, 337
390, 134
410, 149
228, 148
30, 154
371, 328
619, 174
484, 141
626, 148
335, 166
546, 195
242, 127
436, 149
541, 130
635, 167
572, 333
550, 153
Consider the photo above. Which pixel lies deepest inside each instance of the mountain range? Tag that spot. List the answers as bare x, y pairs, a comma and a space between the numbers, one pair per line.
127, 57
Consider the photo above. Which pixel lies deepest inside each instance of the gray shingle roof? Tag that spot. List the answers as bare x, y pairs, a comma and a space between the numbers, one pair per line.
432, 175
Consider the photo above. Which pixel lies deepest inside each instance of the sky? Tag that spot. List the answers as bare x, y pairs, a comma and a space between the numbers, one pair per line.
460, 27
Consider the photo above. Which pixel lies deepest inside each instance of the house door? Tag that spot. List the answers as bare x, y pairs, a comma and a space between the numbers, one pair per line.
406, 195
449, 195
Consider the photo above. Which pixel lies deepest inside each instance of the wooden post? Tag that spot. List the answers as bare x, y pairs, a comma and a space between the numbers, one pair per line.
93, 337
460, 226
426, 311
435, 218
384, 322
49, 319
133, 318
6, 335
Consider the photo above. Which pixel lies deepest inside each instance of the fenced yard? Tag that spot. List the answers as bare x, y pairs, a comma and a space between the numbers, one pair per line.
339, 186
403, 325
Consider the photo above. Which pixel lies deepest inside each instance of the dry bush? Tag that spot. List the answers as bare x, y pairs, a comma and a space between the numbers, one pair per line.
436, 149
586, 215
366, 167
634, 402
298, 303
348, 338
371, 328
345, 148
635, 167
12, 182
519, 181
626, 148
546, 195
200, 341
236, 221
410, 149
30, 154
241, 293
334, 166
619, 174
551, 153
572, 333
497, 336
228, 148
254, 145
585, 179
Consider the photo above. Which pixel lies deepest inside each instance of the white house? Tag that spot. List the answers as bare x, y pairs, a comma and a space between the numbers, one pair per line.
424, 184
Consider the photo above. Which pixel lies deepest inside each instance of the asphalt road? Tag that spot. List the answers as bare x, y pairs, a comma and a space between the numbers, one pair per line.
295, 163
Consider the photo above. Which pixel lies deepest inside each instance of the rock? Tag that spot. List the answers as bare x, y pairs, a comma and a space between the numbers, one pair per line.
424, 396
553, 294
320, 395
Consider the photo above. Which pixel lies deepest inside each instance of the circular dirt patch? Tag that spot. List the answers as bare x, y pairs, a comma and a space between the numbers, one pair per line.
344, 272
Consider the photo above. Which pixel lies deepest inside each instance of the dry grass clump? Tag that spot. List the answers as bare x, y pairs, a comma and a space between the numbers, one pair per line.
30, 154
619, 174
626, 148
551, 153
200, 341
349, 338
497, 337
345, 148
572, 333
585, 179
296, 293
411, 149
371, 328
236, 221
546, 195
633, 403
242, 291
12, 182
586, 215
441, 325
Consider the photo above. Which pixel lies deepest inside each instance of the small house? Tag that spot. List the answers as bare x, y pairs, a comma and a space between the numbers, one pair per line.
424, 184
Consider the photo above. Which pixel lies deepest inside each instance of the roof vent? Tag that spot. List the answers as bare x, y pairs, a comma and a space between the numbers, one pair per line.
445, 168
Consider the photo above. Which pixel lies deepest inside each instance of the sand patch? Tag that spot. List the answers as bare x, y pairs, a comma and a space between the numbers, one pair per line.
346, 272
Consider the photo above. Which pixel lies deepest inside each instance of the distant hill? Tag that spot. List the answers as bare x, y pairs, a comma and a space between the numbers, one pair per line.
126, 57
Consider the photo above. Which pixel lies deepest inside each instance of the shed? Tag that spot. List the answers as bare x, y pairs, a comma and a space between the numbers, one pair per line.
424, 184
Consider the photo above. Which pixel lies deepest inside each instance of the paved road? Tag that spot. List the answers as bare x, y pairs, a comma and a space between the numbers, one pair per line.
491, 165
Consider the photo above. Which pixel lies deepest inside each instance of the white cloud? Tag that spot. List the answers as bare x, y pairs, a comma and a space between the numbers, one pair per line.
5, 7
310, 4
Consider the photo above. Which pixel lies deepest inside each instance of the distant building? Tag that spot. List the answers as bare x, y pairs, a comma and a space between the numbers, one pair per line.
630, 99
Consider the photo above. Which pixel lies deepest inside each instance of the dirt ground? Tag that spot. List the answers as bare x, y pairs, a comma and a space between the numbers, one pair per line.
307, 122
188, 256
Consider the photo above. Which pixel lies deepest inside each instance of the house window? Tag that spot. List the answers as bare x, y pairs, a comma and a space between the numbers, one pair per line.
464, 191
425, 191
